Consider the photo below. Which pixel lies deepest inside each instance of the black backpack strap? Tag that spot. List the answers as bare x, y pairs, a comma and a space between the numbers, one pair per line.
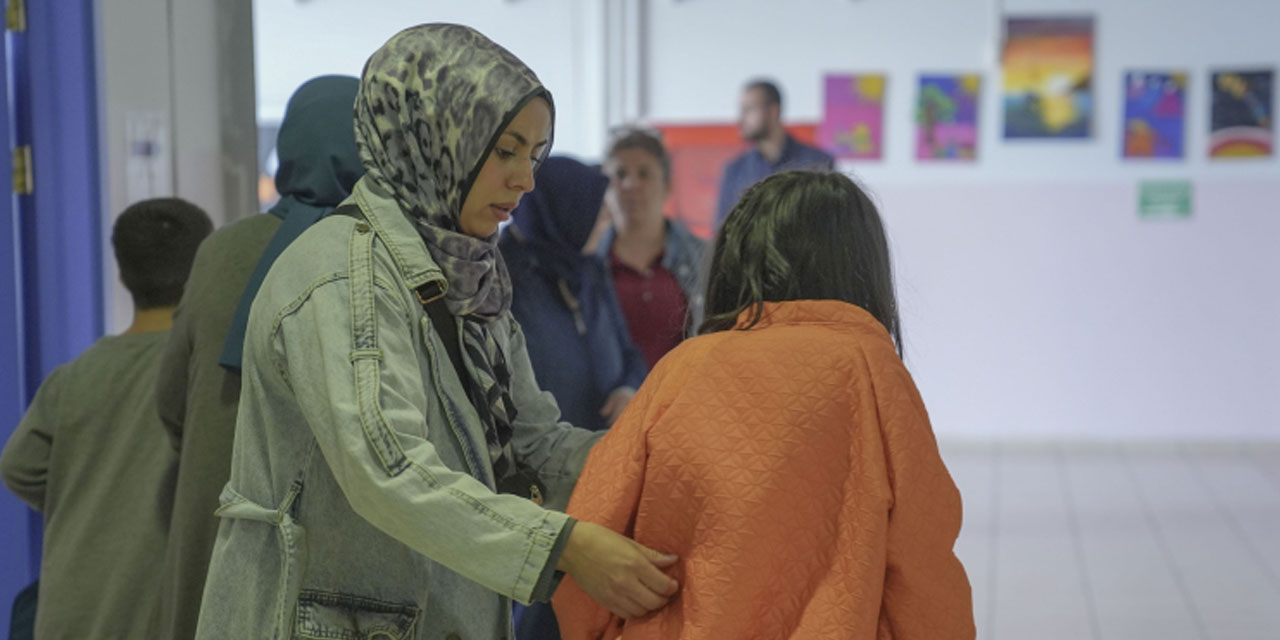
431, 296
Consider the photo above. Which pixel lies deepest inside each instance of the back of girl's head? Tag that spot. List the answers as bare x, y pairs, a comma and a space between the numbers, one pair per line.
801, 235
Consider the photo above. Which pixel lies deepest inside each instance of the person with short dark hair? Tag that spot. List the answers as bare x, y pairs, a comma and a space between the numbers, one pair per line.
785, 454
155, 242
653, 261
774, 150
90, 453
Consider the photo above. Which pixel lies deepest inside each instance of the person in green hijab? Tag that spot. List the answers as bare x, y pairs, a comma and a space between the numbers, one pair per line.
199, 383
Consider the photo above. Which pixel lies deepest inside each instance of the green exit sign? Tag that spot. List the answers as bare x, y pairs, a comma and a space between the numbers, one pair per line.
1164, 199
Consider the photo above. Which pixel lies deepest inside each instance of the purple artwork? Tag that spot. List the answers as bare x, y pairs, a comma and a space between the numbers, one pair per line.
947, 117
853, 122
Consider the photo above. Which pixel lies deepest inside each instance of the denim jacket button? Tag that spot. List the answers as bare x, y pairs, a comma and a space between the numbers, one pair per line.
362, 227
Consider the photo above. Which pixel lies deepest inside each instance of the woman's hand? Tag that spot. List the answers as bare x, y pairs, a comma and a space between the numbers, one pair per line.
624, 576
617, 403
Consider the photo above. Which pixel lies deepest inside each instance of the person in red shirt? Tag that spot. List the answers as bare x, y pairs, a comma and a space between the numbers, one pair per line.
654, 261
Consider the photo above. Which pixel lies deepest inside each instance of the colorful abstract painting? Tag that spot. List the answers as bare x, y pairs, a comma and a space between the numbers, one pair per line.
1154, 114
1048, 77
853, 120
947, 117
1243, 114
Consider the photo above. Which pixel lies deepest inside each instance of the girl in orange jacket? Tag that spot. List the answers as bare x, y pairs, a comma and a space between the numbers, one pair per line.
785, 454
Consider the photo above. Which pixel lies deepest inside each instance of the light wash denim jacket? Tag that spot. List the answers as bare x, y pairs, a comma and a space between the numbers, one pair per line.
361, 500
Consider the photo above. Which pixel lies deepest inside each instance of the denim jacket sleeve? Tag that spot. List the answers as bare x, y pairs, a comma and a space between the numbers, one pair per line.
349, 354
555, 449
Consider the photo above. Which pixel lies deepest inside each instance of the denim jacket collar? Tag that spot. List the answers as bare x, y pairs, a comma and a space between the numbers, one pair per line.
395, 230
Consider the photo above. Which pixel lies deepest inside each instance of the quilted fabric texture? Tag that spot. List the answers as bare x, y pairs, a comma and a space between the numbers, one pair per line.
793, 469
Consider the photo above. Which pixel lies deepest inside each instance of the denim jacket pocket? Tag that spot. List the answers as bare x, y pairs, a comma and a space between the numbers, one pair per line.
324, 615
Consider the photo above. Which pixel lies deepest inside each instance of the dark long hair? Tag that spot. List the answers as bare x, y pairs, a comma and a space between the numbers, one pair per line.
801, 235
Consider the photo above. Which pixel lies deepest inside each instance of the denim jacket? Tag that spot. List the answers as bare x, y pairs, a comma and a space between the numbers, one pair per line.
361, 500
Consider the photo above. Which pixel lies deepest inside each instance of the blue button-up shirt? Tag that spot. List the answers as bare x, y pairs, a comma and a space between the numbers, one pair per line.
752, 167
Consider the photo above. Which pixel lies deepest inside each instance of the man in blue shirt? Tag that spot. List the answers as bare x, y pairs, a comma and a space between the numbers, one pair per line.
760, 122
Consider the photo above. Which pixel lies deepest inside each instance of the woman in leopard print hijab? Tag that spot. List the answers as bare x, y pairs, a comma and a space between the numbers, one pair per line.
433, 103
451, 128
433, 106
366, 497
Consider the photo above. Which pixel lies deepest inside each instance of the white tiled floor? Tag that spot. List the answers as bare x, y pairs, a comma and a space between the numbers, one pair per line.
1121, 542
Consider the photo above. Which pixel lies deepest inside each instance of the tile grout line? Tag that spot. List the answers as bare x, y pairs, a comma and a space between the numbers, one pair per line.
1271, 475
994, 550
1233, 522
1073, 525
1158, 534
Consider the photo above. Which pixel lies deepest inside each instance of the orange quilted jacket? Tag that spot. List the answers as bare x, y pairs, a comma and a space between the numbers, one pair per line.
793, 469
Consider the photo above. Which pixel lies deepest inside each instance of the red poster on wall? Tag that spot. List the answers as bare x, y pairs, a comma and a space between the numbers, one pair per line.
699, 154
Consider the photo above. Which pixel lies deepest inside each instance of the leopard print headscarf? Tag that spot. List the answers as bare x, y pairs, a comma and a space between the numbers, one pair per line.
432, 103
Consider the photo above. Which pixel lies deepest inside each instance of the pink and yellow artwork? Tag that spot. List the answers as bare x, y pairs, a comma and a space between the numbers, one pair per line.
853, 121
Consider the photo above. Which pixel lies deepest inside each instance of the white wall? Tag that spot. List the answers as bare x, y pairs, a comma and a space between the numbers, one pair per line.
559, 39
799, 41
1036, 304
1047, 310
185, 69
134, 75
